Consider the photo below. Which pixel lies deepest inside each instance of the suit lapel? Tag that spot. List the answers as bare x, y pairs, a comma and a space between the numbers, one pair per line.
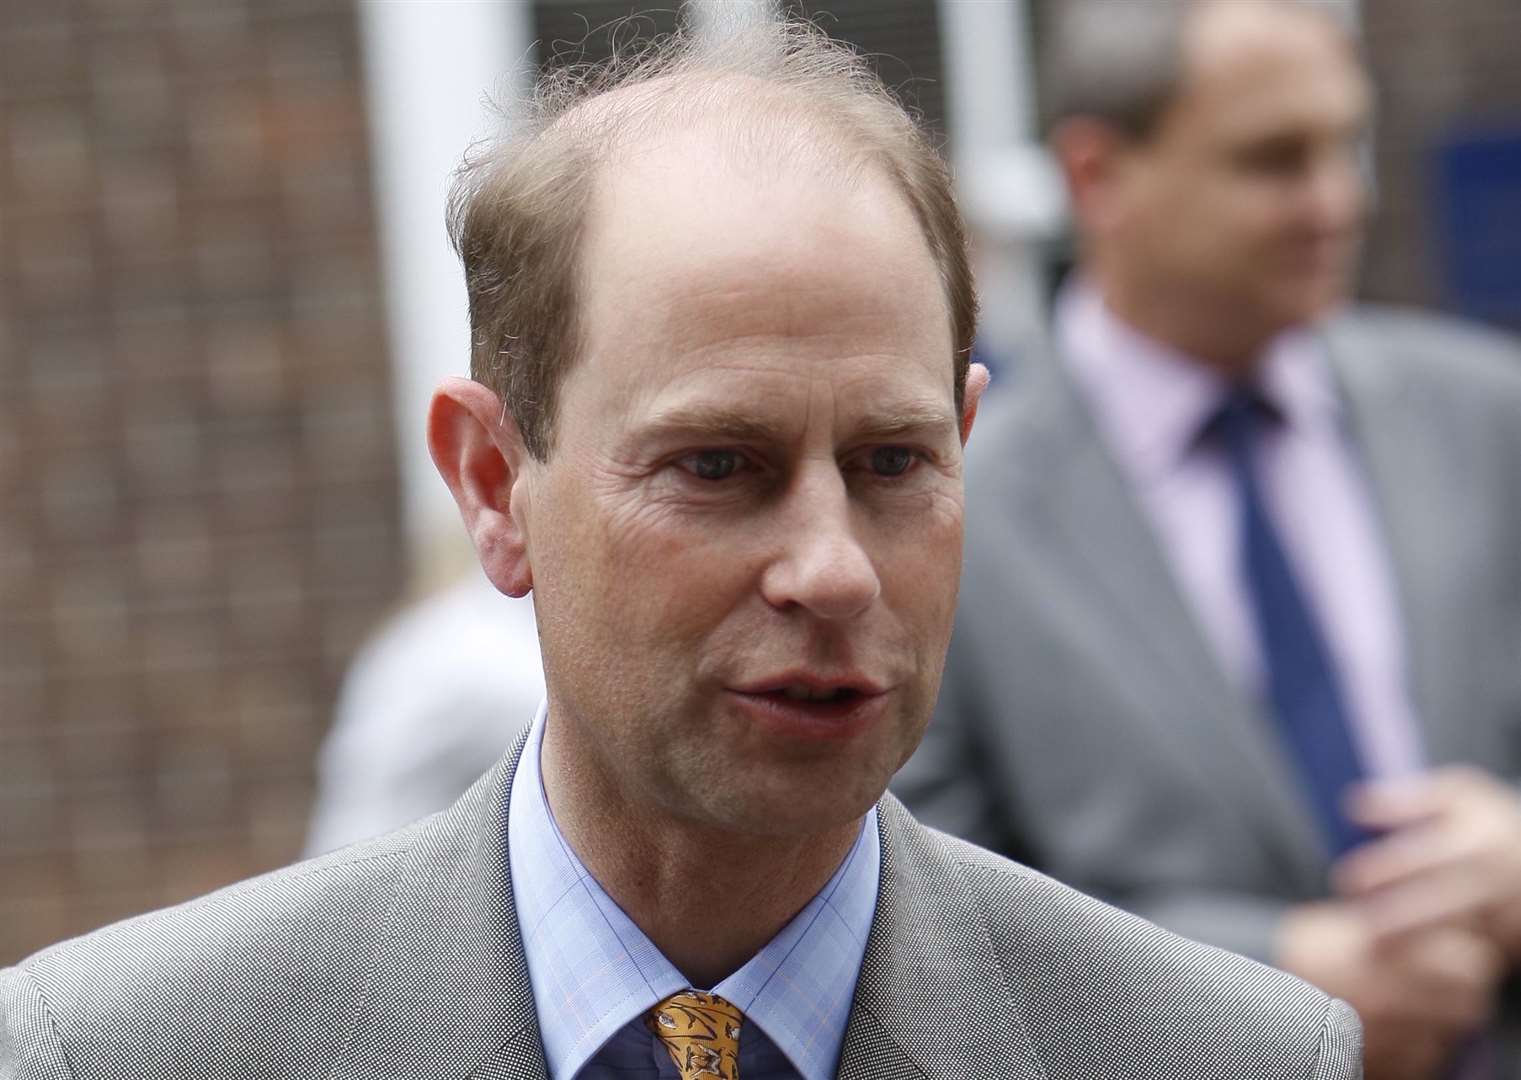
1410, 478
451, 996
932, 999
1077, 497
1072, 498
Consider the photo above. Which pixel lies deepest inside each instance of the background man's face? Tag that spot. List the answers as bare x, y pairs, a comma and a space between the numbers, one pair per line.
756, 486
1249, 197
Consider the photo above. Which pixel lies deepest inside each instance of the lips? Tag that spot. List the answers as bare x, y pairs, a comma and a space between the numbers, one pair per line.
803, 685
812, 705
807, 693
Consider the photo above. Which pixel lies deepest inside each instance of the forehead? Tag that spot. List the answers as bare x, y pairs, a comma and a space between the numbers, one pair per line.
695, 270
1254, 64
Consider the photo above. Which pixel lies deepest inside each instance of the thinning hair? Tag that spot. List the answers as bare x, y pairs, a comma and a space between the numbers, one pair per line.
518, 210
1122, 61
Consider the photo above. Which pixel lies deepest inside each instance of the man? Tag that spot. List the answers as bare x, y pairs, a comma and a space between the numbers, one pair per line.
1233, 554
721, 315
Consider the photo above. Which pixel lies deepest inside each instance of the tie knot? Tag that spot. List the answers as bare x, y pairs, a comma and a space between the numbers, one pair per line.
701, 1033
1239, 415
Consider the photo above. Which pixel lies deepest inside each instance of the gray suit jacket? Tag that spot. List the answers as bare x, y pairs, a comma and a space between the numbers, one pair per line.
1085, 724
400, 957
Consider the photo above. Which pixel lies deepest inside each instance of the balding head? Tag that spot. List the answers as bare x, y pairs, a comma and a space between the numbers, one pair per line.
773, 99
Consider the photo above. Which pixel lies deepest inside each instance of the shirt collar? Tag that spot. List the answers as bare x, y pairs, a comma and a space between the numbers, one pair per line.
593, 970
1152, 400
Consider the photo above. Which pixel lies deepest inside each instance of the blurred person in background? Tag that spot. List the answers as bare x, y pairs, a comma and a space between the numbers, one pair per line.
425, 709
1239, 644
721, 319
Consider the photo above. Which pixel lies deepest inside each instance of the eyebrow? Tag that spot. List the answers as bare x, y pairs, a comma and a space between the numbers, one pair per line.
724, 422
710, 420
910, 420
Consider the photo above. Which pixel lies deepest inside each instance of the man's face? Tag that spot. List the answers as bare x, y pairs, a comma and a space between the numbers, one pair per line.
1247, 201
755, 496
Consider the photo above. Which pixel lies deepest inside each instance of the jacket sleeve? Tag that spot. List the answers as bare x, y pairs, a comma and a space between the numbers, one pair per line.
30, 1048
1341, 1044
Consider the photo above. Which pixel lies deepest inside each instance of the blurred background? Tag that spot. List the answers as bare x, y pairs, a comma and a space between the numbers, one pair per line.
225, 294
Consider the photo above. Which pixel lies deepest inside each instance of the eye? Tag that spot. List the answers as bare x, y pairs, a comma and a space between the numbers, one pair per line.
891, 460
1276, 157
712, 464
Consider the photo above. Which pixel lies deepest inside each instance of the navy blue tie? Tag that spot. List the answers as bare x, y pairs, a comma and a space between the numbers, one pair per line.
1305, 695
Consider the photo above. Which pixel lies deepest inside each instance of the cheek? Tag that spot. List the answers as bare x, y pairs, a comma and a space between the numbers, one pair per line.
1265, 213
1215, 215
679, 576
919, 561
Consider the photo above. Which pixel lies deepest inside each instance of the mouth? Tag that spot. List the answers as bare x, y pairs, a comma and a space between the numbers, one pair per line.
812, 706
797, 692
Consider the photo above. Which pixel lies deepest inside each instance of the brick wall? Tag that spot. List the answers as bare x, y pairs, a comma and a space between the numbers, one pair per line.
198, 514
1436, 65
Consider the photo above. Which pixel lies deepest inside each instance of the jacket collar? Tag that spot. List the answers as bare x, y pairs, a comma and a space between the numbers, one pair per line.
933, 998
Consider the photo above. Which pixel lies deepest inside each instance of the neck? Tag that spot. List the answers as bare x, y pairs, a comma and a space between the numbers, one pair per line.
670, 874
1222, 338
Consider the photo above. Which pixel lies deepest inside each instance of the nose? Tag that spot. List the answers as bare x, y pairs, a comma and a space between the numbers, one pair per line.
1337, 191
820, 564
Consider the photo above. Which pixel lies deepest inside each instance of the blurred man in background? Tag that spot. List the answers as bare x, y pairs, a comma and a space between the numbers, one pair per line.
1242, 587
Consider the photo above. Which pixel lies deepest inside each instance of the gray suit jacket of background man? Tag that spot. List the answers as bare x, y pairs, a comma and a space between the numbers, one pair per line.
400, 957
1085, 724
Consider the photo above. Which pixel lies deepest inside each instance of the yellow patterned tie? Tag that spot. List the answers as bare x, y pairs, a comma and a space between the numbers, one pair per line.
701, 1033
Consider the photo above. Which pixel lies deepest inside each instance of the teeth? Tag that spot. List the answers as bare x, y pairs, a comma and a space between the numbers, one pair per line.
802, 693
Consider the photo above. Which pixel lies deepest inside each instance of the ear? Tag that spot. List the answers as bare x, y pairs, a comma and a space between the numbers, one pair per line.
480, 454
1092, 156
977, 378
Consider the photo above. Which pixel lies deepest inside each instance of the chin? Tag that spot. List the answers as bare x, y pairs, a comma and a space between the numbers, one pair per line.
1298, 305
1314, 293
801, 809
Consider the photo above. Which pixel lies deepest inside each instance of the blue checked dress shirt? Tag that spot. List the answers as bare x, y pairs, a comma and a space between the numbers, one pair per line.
595, 973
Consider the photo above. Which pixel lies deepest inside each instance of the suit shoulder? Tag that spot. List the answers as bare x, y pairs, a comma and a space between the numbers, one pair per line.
352, 879
1093, 975
1459, 355
292, 948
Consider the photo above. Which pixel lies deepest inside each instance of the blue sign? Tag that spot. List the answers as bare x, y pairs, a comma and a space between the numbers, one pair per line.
1478, 191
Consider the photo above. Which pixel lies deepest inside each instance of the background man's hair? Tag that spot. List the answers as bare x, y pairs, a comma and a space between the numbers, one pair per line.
517, 212
1121, 61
